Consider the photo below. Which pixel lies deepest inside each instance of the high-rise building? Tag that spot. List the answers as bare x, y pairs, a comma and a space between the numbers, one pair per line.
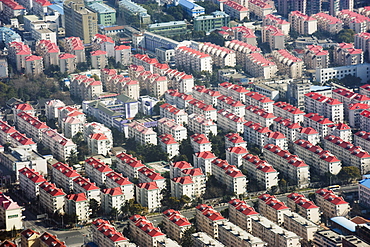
336, 5
79, 21
284, 7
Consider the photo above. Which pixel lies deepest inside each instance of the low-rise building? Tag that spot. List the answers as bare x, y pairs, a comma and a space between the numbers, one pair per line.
257, 115
142, 134
272, 208
175, 224
234, 91
304, 207
221, 56
258, 66
84, 185
199, 124
51, 198
301, 23
149, 195
276, 138
77, 204
169, 145
234, 140
208, 219
354, 111
348, 153
171, 112
182, 186
202, 239
200, 143
104, 234
128, 165
274, 37
240, 213
355, 21
328, 23
234, 155
75, 46
192, 59
242, 49
114, 180
63, 175
325, 106
235, 10
330, 204
345, 54
327, 238
29, 182
316, 57
147, 175
290, 166
211, 22
10, 213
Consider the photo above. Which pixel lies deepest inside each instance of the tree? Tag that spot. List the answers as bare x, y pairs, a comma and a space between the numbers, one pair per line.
95, 208
349, 174
187, 239
210, 7
350, 81
346, 35
293, 34
215, 38
132, 207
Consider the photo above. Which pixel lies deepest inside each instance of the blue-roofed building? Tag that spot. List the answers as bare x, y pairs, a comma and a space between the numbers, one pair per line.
323, 90
57, 10
364, 192
343, 226
190, 8
8, 35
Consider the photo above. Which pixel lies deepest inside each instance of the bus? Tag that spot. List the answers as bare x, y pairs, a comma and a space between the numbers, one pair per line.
334, 187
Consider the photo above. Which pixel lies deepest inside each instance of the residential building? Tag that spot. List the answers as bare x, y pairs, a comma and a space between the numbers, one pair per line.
221, 56
354, 20
231, 105
10, 213
299, 225
304, 207
264, 173
84, 185
327, 237
230, 122
234, 140
203, 160
51, 198
199, 107
75, 46
29, 182
169, 126
67, 63
106, 15
362, 41
288, 63
301, 23
288, 111
259, 100
85, 88
175, 224
318, 123
128, 165
18, 51
234, 155
354, 111
296, 92
9, 134
129, 10
209, 96
322, 161
364, 119
182, 186
146, 175
77, 204
348, 97
365, 90
168, 29
211, 22
330, 204
272, 208
276, 138
242, 49
11, 9
29, 237
202, 239
284, 7
208, 219
192, 59
259, 8
362, 139
102, 42
149, 195
144, 232
105, 234
231, 234
63, 176
240, 213
364, 192
234, 180
30, 125
190, 8
254, 133
328, 23
348, 153
274, 36
325, 106
234, 91
200, 143
98, 59
176, 168
142, 134
80, 21
8, 35
112, 198
199, 124
198, 178
49, 52
245, 34
316, 57
114, 180
169, 145
257, 115
258, 66
290, 166
272, 20
34, 65
122, 54
345, 54
272, 234
235, 10
97, 170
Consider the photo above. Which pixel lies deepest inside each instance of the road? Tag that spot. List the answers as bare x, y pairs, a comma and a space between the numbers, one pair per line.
76, 238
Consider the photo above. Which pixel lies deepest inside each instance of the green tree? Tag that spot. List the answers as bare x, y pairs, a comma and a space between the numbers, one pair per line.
94, 206
215, 38
293, 34
132, 207
350, 81
349, 174
209, 6
187, 239
346, 35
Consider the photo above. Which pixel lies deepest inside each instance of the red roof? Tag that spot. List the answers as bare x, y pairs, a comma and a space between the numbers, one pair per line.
176, 218
80, 197
183, 180
12, 4
51, 189
43, 2
98, 53
205, 155
182, 165
117, 191
148, 186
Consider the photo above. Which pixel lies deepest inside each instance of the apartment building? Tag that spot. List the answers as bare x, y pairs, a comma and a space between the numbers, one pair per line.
29, 237
204, 160
364, 119
319, 123
84, 185
99, 59
114, 180
301, 23
104, 43
182, 186
85, 88
75, 46
362, 139
77, 204
257, 115
328, 23
240, 213
221, 56
274, 36
209, 96
288, 63
11, 9
200, 143
345, 54
233, 106
192, 59
149, 195
290, 166
34, 65
316, 57
232, 235
264, 173
364, 192
18, 51
354, 111
365, 90
230, 122
176, 168
29, 182
199, 124
96, 170
258, 66
234, 91
254, 133
172, 112
169, 126
330, 204
259, 100
128, 165
348, 153
235, 10
122, 54
276, 138
198, 178
321, 160
362, 42
142, 134
234, 155
202, 239
9, 134
299, 225
272, 234
208, 219
272, 20
169, 145
112, 198
180, 100
272, 208
67, 63
207, 23
234, 180
147, 175
348, 97
51, 198
241, 49
104, 234
63, 175
234, 140
259, 8
175, 224
199, 107
143, 231
355, 21
288, 111
49, 52
325, 106
10, 214
304, 207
